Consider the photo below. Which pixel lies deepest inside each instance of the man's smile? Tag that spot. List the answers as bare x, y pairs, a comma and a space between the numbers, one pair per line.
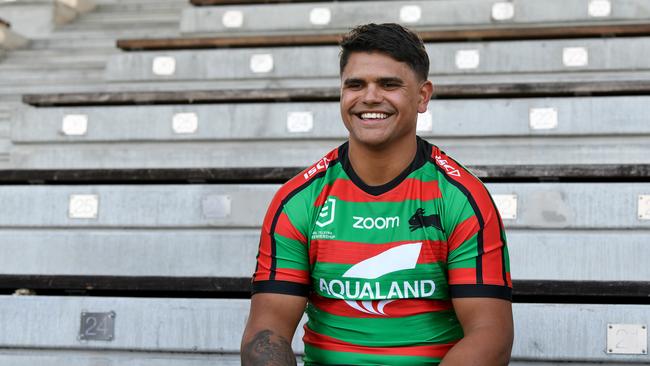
373, 115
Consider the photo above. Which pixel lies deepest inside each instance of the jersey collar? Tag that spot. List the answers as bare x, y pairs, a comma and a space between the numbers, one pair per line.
420, 158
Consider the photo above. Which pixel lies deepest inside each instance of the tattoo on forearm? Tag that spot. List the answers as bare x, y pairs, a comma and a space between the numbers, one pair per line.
267, 349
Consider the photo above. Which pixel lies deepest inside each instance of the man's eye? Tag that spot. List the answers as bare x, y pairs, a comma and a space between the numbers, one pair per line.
391, 85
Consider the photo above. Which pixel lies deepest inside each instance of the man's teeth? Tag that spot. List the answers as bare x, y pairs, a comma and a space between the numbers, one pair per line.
374, 115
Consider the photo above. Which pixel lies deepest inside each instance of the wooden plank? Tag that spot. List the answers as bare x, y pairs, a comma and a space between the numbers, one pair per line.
84, 358
443, 91
565, 332
200, 326
575, 117
247, 2
436, 15
136, 206
601, 206
487, 173
551, 59
605, 292
302, 153
59, 357
129, 285
546, 332
442, 35
196, 262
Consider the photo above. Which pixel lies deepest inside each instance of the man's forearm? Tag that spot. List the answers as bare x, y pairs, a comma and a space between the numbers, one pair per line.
267, 349
482, 348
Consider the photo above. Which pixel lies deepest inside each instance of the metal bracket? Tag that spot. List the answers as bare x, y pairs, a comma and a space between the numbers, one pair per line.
163, 66
627, 339
74, 124
507, 205
83, 206
97, 326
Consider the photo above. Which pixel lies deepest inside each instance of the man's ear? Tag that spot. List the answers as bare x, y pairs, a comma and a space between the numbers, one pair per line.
426, 91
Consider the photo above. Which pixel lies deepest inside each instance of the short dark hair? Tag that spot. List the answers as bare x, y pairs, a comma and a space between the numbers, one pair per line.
391, 39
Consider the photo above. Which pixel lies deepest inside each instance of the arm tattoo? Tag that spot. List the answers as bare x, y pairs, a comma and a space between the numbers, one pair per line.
267, 349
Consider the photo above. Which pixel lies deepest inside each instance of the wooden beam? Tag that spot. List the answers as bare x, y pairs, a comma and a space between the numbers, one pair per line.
523, 291
435, 35
487, 173
533, 290
172, 97
229, 42
443, 91
246, 2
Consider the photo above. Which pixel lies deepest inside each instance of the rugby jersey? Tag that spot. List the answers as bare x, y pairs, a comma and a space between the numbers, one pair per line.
380, 264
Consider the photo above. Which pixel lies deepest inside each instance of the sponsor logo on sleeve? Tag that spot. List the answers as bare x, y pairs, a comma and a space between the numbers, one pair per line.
444, 164
321, 165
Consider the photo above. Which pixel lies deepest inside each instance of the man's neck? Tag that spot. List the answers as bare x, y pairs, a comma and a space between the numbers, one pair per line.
376, 167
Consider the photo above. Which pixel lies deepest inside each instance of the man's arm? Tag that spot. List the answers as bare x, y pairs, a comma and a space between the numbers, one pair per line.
488, 327
271, 324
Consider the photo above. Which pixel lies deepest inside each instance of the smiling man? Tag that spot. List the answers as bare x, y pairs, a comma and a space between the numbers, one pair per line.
397, 251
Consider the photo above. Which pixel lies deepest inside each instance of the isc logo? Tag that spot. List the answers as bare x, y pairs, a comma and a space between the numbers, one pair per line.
368, 223
322, 164
447, 167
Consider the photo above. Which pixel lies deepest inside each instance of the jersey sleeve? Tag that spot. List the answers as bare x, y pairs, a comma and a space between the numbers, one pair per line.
477, 261
282, 259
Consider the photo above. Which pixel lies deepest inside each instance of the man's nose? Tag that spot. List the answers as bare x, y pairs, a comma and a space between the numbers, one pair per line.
372, 95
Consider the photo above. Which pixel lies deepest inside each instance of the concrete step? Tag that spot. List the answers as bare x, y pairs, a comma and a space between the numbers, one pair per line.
55, 59
123, 3
68, 52
17, 78
131, 19
113, 33
52, 65
73, 43
140, 6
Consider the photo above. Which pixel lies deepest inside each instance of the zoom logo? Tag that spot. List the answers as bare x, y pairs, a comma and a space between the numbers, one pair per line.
381, 223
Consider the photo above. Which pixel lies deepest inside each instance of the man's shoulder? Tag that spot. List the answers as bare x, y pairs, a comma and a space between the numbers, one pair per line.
447, 166
309, 176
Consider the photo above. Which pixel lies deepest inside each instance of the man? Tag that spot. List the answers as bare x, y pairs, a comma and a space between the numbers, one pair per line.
397, 251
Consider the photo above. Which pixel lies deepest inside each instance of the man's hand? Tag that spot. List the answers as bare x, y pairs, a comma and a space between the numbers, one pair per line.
488, 328
272, 322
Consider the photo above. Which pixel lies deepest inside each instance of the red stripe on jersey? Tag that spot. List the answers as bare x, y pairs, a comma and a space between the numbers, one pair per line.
462, 276
332, 344
344, 252
285, 228
265, 259
490, 232
263, 270
409, 189
462, 232
394, 309
293, 275
492, 259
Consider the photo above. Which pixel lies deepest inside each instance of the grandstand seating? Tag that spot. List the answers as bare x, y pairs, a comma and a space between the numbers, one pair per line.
136, 183
299, 133
547, 60
331, 16
201, 326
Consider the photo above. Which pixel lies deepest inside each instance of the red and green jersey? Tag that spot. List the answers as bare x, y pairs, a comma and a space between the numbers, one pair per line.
380, 264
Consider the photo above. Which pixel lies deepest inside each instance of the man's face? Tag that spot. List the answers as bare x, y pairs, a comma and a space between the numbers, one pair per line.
380, 99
